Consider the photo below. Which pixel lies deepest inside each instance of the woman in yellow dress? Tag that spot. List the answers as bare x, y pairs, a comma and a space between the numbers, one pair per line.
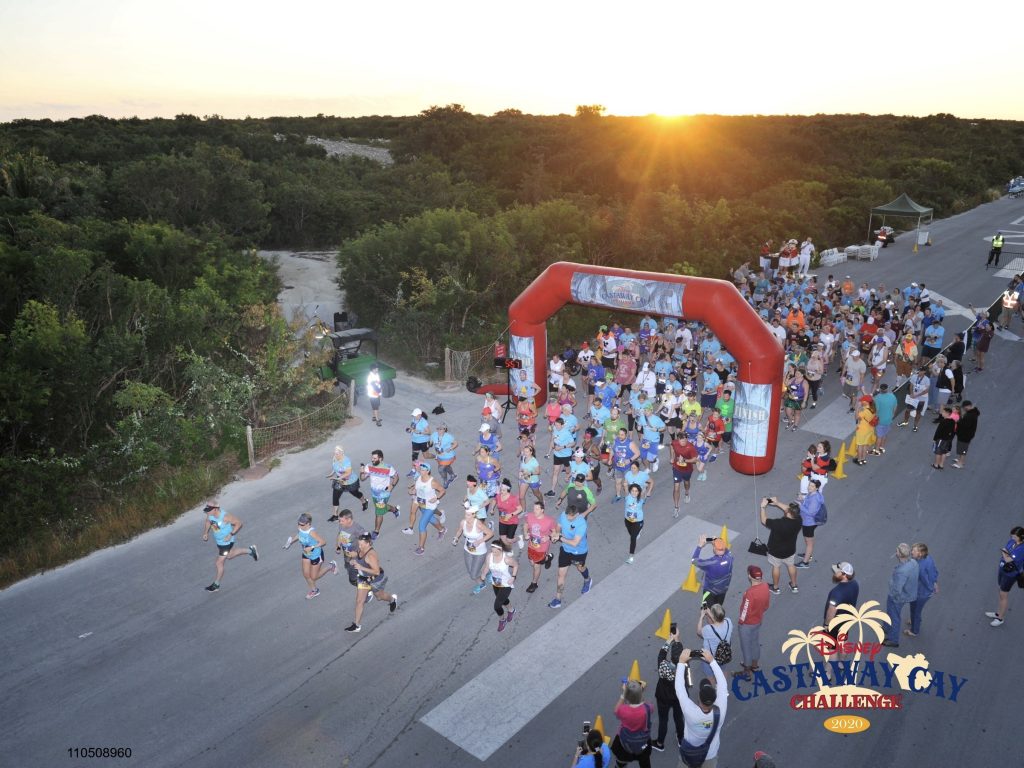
865, 435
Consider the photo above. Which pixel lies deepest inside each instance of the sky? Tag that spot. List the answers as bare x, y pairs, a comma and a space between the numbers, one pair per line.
69, 58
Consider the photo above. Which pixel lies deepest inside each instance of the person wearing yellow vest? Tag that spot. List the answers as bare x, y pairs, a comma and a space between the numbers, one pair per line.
996, 250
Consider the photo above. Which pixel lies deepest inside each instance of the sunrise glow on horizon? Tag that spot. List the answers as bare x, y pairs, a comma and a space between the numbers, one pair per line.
66, 59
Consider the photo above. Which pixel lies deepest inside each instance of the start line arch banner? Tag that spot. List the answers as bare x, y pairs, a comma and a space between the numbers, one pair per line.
716, 303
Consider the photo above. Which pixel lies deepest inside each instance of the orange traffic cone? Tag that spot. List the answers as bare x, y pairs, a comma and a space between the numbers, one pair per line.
724, 536
634, 671
666, 623
691, 584
599, 726
853, 446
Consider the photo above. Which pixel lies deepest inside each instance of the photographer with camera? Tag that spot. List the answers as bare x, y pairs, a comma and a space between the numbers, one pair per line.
782, 539
702, 721
591, 752
633, 741
665, 693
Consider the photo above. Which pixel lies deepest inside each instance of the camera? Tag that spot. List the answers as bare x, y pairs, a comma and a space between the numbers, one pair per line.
696, 654
673, 628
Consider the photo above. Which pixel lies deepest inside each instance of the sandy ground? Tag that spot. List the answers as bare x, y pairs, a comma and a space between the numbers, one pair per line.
342, 148
310, 283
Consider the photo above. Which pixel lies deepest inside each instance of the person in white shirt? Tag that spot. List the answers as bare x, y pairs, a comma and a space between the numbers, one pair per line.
698, 719
806, 252
374, 390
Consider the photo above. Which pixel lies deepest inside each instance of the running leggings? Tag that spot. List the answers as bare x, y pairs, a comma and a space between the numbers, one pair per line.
501, 599
474, 563
815, 386
634, 531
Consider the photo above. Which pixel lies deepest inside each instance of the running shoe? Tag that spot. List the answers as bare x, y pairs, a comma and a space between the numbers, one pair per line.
556, 603
996, 622
407, 531
903, 424
396, 509
254, 552
312, 593
393, 605
552, 493
532, 588
420, 550
686, 500
410, 473
675, 513
334, 567
775, 590
501, 623
442, 532
803, 564
489, 579
991, 614
479, 588
629, 560
353, 627
374, 535
511, 614
443, 518
658, 746
213, 587
332, 519
366, 505
617, 499
587, 584
794, 588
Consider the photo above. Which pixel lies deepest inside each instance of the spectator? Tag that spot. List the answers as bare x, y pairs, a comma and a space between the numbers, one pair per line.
927, 585
752, 608
633, 741
902, 590
716, 570
1011, 567
701, 740
966, 429
783, 533
665, 693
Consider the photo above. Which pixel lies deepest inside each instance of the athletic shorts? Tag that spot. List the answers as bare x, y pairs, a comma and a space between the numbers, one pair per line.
809, 531
850, 390
562, 461
380, 505
565, 559
681, 477
537, 555
776, 562
942, 447
527, 429
420, 447
709, 400
881, 430
650, 452
508, 530
374, 403
316, 561
794, 405
713, 444
377, 582
727, 438
223, 549
962, 446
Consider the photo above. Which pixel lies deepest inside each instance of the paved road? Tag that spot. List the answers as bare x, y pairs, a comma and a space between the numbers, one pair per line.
124, 648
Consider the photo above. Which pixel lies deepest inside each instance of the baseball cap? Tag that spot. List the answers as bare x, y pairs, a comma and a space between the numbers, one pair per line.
366, 536
843, 568
855, 353
485, 427
754, 571
211, 505
423, 465
763, 760
707, 692
417, 412
580, 477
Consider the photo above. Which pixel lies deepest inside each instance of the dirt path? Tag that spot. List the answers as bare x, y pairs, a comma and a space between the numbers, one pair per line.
310, 283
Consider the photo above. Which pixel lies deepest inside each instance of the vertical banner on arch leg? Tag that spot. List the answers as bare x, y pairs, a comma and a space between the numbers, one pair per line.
522, 348
750, 419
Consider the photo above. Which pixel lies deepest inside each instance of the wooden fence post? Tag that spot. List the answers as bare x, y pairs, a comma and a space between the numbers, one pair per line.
249, 445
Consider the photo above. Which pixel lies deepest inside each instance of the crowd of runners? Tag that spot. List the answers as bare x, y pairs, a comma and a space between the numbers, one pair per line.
629, 412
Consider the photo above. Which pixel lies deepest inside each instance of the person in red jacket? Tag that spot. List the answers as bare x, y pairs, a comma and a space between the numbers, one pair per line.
752, 607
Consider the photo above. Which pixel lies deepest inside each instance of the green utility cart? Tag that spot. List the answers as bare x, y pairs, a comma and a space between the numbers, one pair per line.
355, 350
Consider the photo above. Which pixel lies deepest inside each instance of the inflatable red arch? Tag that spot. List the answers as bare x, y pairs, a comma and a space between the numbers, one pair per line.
715, 302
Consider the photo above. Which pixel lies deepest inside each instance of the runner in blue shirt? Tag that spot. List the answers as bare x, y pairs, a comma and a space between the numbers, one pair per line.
563, 442
572, 533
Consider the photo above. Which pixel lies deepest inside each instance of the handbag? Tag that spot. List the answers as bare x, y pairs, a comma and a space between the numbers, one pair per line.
694, 756
758, 547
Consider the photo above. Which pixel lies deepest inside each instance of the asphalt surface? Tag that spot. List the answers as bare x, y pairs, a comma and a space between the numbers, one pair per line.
126, 649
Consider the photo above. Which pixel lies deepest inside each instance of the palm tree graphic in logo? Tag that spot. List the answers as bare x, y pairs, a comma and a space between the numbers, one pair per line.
867, 615
807, 642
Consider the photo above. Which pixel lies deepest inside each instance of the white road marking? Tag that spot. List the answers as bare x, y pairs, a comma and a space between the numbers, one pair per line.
608, 614
82, 637
834, 420
1015, 222
952, 308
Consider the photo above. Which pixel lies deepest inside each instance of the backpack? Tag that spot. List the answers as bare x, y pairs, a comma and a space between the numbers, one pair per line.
821, 516
723, 652
635, 742
832, 465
